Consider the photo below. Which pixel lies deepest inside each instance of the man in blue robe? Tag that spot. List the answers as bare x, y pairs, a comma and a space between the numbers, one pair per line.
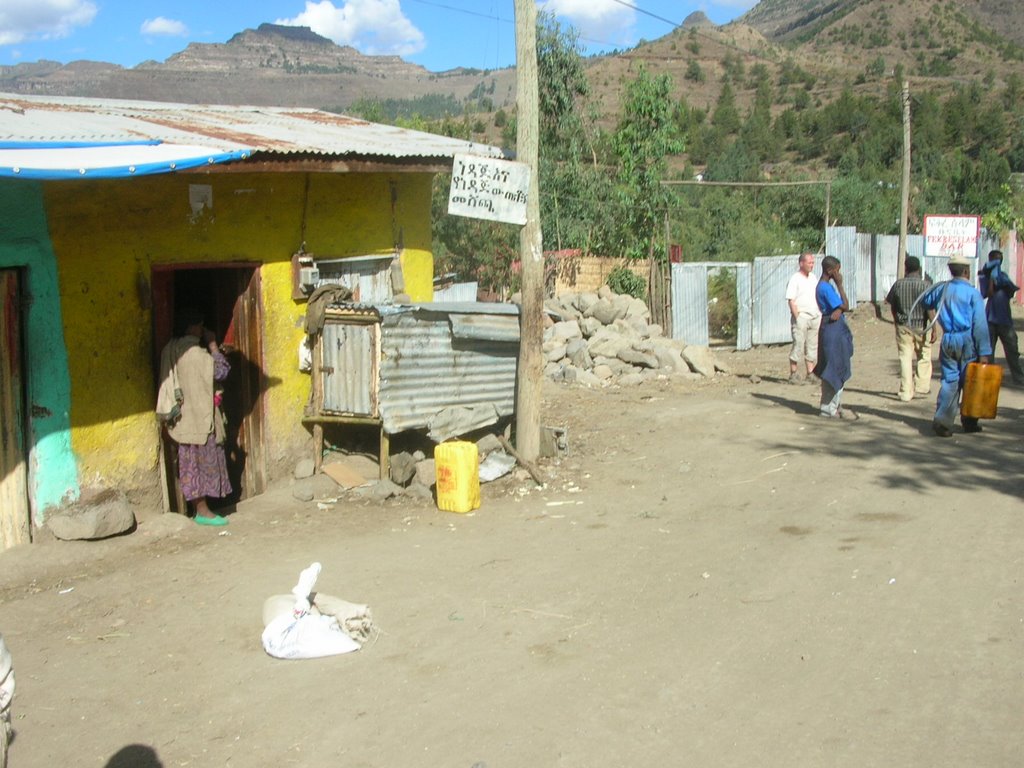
835, 341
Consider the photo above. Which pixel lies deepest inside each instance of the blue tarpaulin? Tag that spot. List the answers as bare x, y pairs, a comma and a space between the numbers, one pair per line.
50, 160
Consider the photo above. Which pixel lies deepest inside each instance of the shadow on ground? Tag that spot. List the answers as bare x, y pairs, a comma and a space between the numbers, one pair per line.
919, 459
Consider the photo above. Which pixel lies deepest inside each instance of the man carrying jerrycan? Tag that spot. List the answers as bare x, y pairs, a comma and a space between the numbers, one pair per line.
960, 311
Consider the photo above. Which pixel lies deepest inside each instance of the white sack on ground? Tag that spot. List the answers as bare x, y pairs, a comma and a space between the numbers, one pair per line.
310, 625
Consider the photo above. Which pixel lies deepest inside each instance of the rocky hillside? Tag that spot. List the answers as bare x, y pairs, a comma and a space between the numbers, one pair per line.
823, 46
818, 46
802, 20
285, 50
272, 65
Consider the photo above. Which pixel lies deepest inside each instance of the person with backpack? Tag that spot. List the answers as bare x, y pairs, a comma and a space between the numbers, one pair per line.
997, 288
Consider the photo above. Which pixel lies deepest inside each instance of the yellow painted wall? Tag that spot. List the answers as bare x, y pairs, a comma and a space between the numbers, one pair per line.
108, 234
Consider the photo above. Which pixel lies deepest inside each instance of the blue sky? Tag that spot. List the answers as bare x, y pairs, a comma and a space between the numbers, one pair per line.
438, 34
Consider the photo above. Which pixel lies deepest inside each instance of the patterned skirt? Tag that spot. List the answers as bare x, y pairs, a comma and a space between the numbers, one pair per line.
203, 470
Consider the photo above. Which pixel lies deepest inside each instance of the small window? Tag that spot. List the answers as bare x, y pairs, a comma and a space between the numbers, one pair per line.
368, 277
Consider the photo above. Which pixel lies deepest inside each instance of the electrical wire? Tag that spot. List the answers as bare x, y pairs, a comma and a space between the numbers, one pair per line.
489, 16
638, 9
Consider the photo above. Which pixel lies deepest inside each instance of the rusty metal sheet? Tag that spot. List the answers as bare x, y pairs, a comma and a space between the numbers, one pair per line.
267, 130
425, 370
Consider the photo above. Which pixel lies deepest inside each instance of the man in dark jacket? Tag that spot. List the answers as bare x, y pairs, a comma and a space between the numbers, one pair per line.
913, 345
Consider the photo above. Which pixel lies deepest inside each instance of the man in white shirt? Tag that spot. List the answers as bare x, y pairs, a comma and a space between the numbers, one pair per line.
805, 320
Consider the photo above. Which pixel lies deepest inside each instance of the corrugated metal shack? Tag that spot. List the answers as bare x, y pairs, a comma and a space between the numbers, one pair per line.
446, 368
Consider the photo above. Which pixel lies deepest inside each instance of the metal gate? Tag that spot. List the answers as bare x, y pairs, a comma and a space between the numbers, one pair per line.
690, 302
771, 315
349, 367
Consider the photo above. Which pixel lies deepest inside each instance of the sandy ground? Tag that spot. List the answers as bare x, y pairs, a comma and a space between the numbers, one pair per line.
715, 576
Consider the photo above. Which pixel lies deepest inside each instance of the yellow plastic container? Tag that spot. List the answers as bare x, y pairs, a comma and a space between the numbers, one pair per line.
981, 390
458, 476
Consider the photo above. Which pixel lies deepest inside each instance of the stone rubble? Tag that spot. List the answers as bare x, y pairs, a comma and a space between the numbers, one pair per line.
606, 339
412, 476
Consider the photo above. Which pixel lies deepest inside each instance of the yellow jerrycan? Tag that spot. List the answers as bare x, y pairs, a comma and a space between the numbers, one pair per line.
981, 390
458, 476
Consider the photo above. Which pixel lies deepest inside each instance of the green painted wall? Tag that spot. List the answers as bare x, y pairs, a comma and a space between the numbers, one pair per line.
25, 243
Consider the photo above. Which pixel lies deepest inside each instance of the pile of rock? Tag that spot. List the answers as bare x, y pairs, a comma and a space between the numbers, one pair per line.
606, 338
412, 474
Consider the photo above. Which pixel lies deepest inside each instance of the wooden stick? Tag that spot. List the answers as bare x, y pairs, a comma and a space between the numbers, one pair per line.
537, 478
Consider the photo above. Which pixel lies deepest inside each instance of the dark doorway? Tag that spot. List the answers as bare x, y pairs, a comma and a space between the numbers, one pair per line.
229, 297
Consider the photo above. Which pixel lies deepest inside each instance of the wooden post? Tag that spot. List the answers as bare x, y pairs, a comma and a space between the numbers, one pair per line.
828, 206
905, 183
317, 400
531, 251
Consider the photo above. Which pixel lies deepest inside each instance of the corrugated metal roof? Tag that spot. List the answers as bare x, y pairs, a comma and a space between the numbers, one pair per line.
272, 130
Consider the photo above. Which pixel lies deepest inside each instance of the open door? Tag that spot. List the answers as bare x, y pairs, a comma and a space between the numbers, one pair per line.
15, 514
229, 296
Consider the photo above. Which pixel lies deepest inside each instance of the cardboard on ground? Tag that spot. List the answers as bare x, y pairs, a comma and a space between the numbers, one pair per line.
352, 471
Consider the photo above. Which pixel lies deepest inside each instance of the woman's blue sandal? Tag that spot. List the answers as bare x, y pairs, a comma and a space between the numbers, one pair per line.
215, 520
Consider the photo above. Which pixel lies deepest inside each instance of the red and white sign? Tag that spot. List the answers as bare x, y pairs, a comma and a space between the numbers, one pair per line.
951, 235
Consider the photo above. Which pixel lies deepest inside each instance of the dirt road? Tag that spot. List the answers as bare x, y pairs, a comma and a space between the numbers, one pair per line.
714, 577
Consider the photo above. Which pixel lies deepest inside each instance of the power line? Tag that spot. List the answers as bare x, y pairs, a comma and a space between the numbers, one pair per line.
638, 9
491, 17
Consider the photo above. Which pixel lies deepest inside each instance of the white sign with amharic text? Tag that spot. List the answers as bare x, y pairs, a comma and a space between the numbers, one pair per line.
951, 235
485, 188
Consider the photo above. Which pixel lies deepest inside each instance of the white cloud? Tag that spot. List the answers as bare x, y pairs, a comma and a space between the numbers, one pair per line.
42, 19
599, 20
162, 26
371, 26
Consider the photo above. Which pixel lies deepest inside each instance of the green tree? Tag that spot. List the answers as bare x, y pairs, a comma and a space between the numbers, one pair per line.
368, 109
1006, 213
726, 116
643, 139
1014, 90
574, 189
694, 73
757, 132
562, 85
736, 163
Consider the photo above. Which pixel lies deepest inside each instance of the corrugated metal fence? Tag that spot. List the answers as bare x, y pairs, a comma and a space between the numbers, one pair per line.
456, 292
842, 242
877, 259
768, 299
869, 269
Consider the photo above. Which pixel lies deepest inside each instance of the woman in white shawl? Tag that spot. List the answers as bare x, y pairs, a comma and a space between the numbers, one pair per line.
189, 402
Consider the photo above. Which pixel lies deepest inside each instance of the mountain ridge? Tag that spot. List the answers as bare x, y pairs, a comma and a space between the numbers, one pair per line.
272, 65
817, 46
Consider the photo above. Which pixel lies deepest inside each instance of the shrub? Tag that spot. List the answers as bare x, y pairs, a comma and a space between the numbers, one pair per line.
622, 280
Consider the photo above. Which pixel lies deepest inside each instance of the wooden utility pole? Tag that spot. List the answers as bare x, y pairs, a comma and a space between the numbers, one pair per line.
905, 182
531, 250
